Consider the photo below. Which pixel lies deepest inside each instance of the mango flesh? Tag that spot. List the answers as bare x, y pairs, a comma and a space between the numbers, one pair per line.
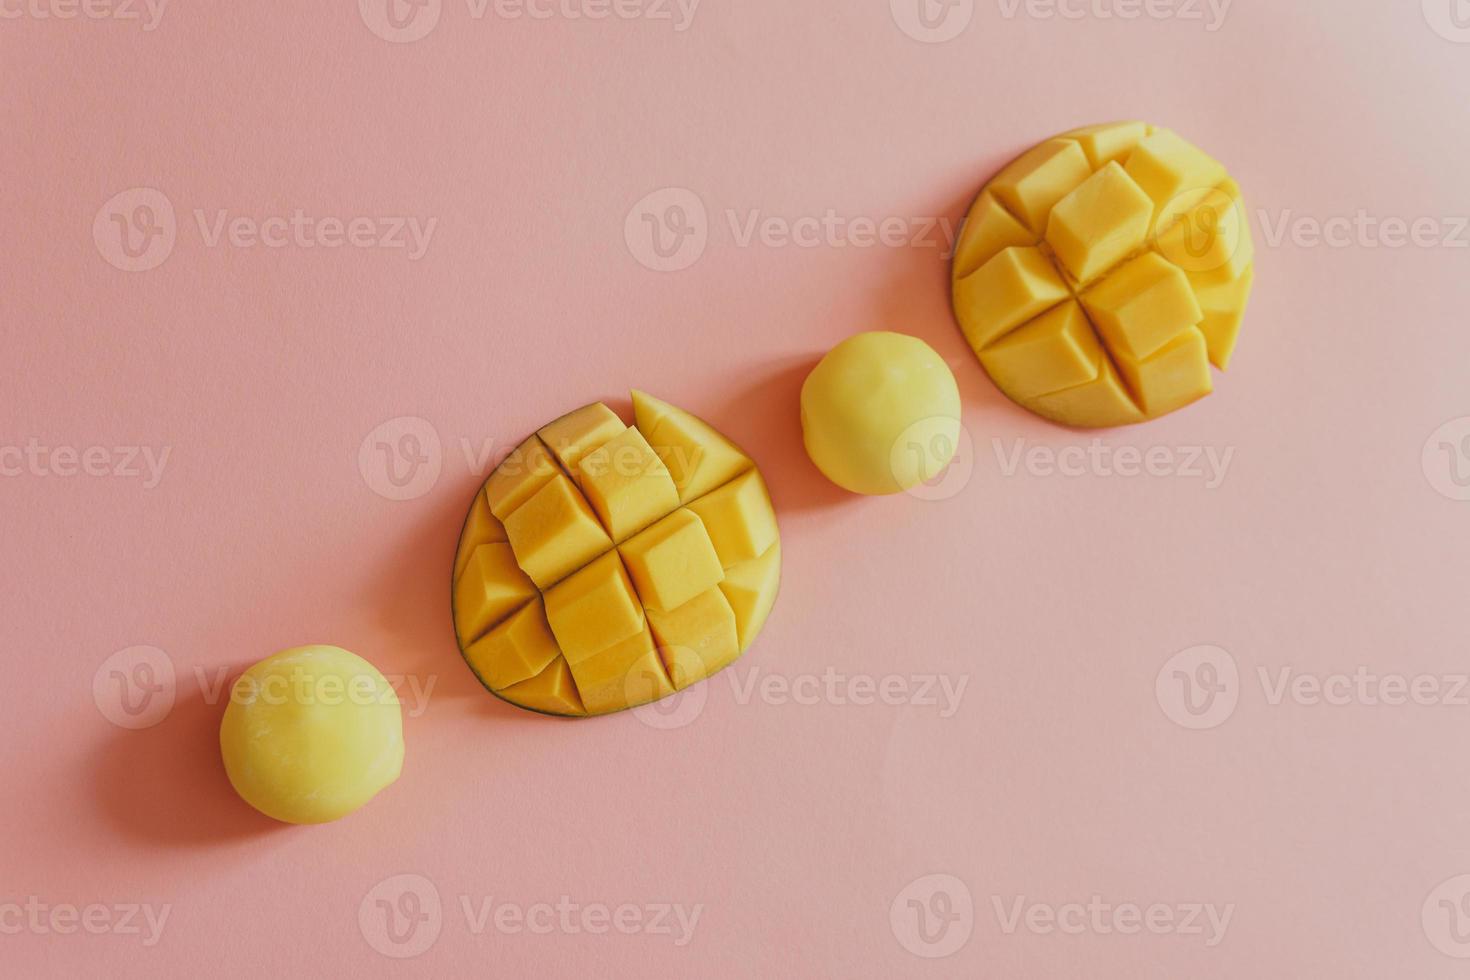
311, 734
880, 414
1101, 274
603, 566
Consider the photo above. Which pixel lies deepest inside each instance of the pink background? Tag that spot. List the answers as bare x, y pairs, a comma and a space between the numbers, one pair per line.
1060, 777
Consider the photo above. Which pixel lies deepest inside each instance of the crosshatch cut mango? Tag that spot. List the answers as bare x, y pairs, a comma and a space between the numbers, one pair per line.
603, 566
1101, 274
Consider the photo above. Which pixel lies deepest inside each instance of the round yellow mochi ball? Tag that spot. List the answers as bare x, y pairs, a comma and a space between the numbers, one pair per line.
881, 414
311, 734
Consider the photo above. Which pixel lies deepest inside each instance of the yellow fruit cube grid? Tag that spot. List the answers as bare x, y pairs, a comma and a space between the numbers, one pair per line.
1101, 273
593, 618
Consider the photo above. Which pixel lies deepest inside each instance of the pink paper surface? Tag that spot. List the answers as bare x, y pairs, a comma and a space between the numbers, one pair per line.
973, 739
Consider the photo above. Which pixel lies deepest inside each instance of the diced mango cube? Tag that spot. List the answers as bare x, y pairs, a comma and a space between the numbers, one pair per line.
673, 561
739, 518
573, 436
1009, 290
1224, 308
1032, 185
516, 650
594, 609
480, 527
1176, 375
554, 533
627, 484
1211, 242
491, 588
1100, 403
552, 691
697, 639
1174, 173
1100, 223
625, 675
751, 588
699, 458
1057, 350
1109, 142
1142, 306
989, 228
527, 469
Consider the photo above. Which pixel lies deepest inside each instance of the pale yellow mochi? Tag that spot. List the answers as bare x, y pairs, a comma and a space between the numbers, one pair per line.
311, 734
